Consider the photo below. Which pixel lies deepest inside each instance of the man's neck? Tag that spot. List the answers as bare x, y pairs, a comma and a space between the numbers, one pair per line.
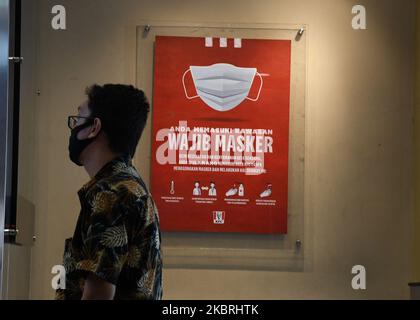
96, 161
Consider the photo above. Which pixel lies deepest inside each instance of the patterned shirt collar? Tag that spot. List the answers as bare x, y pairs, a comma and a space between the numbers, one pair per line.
109, 169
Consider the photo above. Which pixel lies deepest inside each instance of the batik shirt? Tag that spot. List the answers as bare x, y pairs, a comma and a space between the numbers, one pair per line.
117, 236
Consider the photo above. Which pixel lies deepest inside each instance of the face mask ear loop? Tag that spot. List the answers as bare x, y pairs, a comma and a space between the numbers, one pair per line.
92, 124
259, 92
185, 89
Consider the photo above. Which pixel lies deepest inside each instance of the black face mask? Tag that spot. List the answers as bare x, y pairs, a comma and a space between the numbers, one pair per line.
77, 146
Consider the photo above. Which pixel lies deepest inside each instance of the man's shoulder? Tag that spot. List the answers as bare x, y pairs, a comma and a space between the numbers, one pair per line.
120, 196
122, 185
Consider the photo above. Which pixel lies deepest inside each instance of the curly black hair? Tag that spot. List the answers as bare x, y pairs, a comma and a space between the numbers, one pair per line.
123, 110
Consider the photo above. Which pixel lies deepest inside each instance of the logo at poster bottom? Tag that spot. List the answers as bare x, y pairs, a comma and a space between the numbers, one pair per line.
219, 217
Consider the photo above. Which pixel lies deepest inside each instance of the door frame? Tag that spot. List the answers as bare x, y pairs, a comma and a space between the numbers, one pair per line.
10, 60
4, 116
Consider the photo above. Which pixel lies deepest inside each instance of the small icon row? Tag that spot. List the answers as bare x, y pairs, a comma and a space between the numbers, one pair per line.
238, 189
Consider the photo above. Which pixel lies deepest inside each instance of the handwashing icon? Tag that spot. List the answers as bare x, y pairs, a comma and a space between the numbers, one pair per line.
236, 190
267, 192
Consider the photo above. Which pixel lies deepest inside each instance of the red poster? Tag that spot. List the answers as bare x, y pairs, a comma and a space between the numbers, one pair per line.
221, 134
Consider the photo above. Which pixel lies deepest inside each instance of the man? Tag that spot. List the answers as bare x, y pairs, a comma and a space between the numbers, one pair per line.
115, 252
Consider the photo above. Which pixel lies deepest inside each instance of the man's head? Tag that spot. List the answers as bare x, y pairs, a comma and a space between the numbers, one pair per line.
112, 120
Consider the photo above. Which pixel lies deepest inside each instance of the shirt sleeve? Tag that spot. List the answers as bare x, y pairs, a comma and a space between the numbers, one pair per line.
105, 247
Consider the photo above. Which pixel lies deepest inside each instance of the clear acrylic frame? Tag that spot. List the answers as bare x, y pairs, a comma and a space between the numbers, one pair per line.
288, 252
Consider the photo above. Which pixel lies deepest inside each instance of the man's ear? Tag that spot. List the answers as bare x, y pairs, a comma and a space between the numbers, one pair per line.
96, 128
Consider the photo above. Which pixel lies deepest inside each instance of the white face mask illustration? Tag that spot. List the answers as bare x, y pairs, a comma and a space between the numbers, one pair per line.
223, 86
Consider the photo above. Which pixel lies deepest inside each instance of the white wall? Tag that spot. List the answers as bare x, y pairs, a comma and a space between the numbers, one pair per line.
359, 157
